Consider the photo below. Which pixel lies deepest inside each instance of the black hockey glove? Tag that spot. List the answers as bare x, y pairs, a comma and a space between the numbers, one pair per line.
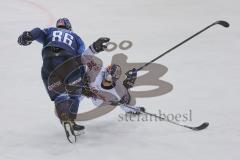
79, 86
131, 78
99, 45
88, 92
25, 39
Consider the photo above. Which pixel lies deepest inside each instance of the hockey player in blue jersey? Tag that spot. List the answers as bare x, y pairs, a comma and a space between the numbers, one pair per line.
60, 44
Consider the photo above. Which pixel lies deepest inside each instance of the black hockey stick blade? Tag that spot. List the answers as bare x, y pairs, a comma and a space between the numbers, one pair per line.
199, 128
223, 23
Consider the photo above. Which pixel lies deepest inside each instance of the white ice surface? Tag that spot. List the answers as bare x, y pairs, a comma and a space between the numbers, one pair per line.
204, 73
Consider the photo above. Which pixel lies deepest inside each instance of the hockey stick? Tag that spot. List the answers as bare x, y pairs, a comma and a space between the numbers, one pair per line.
203, 125
222, 23
198, 128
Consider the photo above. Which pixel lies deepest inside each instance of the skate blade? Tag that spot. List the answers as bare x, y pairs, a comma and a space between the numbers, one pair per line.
69, 133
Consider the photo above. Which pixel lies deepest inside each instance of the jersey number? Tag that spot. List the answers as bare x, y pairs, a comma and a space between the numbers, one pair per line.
60, 37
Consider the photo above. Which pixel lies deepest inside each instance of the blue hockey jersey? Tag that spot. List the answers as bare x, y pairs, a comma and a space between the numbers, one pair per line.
58, 37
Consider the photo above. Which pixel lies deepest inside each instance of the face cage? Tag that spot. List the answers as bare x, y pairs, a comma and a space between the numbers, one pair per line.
64, 24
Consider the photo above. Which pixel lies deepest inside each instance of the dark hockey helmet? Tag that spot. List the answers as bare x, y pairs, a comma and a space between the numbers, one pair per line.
64, 23
113, 73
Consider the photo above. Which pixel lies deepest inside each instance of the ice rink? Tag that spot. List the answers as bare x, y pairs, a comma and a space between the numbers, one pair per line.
205, 74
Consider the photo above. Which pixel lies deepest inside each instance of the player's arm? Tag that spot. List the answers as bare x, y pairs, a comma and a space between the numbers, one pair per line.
27, 37
81, 45
97, 46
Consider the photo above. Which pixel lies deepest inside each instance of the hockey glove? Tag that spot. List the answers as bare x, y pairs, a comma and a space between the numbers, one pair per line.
99, 45
131, 78
91, 92
25, 39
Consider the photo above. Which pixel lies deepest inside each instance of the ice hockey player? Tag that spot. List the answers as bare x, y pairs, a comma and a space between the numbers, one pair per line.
60, 43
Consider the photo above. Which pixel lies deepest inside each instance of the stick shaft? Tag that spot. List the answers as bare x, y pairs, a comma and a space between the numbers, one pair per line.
176, 46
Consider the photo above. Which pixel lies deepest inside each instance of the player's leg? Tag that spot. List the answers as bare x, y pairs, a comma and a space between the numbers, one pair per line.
67, 108
73, 111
